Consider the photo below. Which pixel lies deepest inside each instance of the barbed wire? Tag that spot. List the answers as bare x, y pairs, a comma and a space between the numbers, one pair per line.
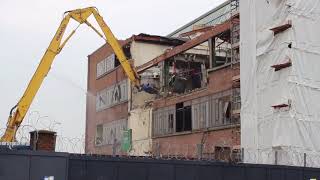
36, 122
221, 151
73, 144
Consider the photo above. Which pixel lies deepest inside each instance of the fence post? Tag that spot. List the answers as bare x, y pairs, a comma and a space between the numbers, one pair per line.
200, 150
242, 155
114, 149
305, 159
276, 157
157, 153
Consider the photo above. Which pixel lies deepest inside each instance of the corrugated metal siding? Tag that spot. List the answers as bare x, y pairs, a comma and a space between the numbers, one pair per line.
216, 16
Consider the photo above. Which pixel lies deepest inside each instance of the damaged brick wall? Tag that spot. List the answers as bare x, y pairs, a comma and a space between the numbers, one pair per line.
186, 145
117, 112
219, 80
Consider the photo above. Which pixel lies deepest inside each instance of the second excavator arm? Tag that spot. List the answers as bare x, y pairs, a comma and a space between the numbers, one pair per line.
19, 111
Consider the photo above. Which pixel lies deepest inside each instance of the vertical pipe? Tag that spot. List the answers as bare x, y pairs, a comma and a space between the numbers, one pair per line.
114, 149
212, 48
242, 155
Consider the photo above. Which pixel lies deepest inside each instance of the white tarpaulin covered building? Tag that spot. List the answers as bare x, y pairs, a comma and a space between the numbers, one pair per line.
280, 81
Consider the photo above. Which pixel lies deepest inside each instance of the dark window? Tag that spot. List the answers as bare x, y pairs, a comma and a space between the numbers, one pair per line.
116, 62
127, 53
227, 110
171, 121
187, 118
179, 117
185, 76
183, 118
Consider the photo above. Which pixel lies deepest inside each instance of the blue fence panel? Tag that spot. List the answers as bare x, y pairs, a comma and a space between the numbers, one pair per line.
31, 165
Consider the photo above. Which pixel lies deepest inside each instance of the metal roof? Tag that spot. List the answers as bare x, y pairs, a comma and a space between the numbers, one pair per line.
158, 39
199, 18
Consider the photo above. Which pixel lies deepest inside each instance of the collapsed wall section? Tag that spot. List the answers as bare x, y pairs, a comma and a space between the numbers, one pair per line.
143, 48
280, 82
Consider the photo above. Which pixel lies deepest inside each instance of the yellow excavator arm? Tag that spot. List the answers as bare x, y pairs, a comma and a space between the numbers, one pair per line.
19, 111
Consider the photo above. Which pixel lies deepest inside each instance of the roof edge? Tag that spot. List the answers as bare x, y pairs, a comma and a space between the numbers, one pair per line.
155, 39
199, 18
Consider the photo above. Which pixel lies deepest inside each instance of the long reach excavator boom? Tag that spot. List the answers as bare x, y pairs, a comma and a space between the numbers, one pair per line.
19, 111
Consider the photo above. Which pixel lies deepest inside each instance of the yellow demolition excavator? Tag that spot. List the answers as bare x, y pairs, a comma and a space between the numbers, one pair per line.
19, 111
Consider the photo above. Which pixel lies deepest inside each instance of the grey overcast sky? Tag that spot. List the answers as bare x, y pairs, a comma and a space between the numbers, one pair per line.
26, 28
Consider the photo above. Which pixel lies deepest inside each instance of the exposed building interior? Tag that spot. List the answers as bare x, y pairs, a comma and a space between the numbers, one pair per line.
199, 89
190, 91
182, 106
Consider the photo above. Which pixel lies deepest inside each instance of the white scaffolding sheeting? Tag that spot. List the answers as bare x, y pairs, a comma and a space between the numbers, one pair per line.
282, 135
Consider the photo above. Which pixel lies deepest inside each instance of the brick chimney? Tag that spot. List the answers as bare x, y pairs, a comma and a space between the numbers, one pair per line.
43, 140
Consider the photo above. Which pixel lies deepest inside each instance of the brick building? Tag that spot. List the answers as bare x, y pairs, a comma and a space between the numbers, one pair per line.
196, 107
109, 91
198, 110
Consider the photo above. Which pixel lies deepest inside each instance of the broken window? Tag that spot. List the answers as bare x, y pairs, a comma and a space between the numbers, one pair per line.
116, 63
220, 50
183, 118
110, 133
111, 96
163, 121
200, 113
187, 76
109, 64
101, 66
156, 123
106, 65
186, 71
236, 104
205, 112
220, 109
99, 135
116, 95
211, 111
226, 110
